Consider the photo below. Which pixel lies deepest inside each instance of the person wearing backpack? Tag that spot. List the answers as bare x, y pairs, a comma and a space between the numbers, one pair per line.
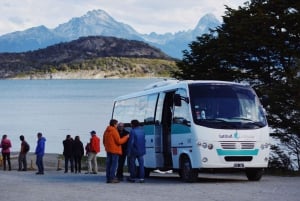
5, 145
22, 155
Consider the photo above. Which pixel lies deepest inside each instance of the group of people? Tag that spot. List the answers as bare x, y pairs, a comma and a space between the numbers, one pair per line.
119, 144
6, 144
74, 151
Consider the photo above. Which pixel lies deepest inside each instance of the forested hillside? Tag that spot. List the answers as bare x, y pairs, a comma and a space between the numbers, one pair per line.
108, 56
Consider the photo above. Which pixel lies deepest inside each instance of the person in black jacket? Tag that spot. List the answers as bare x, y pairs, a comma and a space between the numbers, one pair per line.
78, 152
122, 158
68, 153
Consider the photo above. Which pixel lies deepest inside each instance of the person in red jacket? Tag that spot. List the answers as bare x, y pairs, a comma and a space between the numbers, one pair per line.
94, 149
6, 145
112, 143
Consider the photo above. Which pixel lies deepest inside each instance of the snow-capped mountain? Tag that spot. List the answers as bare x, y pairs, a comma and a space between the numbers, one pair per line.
93, 23
98, 22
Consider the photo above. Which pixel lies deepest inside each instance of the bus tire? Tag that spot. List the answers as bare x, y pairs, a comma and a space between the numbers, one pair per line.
254, 174
186, 172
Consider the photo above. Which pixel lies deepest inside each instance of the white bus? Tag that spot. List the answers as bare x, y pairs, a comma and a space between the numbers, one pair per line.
194, 126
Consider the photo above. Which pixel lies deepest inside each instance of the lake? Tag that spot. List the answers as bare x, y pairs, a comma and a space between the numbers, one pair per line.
60, 107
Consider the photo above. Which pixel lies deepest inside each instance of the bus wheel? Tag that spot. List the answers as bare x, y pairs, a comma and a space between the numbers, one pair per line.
254, 174
186, 172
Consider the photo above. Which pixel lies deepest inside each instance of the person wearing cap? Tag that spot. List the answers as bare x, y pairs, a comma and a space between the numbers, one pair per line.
112, 143
92, 155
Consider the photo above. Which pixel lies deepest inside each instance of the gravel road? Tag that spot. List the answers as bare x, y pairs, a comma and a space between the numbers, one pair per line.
56, 185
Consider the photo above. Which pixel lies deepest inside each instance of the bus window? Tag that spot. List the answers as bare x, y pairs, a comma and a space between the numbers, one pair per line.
129, 109
140, 108
226, 106
150, 109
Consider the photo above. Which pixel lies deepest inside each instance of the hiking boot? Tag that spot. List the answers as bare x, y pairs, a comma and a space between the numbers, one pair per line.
131, 180
113, 181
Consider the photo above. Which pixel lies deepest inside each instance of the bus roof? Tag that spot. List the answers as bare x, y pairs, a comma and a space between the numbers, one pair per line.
169, 84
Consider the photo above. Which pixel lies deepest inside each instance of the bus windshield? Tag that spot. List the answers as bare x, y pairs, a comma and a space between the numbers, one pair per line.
226, 106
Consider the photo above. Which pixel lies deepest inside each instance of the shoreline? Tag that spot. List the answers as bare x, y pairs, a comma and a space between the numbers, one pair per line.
75, 77
52, 161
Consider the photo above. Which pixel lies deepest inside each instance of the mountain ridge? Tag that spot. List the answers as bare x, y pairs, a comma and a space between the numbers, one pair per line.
101, 54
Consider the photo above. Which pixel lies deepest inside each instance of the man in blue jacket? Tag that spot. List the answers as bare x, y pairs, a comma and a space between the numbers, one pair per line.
40, 151
136, 150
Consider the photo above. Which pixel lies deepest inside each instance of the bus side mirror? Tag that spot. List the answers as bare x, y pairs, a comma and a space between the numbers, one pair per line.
178, 98
264, 100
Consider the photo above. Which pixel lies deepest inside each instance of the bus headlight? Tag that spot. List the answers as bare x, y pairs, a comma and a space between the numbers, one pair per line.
205, 145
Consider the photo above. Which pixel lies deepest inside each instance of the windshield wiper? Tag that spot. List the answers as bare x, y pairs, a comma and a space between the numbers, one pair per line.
243, 118
222, 123
259, 124
214, 120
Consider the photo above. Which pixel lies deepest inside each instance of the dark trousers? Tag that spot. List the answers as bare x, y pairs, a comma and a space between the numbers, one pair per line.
121, 163
67, 159
77, 161
6, 157
40, 163
133, 169
22, 161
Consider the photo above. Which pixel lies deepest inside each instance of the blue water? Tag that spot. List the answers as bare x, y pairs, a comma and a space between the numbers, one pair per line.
60, 107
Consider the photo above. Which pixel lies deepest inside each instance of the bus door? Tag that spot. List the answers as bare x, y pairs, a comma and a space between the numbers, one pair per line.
182, 138
164, 117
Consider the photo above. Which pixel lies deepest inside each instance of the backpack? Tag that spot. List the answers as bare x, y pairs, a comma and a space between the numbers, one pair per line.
26, 147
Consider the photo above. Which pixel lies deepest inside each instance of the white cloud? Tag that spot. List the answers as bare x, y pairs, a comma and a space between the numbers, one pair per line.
143, 15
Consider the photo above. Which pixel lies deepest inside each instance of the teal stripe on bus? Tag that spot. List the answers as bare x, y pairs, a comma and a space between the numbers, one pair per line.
222, 152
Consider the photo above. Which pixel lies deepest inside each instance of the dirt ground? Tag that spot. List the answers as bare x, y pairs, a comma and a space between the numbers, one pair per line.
57, 185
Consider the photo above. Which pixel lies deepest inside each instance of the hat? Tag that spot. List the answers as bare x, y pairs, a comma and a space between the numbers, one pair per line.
93, 132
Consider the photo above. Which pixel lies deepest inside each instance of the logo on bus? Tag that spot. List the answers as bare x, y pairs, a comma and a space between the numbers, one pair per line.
235, 135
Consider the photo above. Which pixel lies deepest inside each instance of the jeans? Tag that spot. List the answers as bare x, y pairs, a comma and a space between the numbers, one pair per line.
39, 163
132, 167
111, 165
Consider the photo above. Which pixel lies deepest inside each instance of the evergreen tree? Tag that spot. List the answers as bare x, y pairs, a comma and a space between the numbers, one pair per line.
258, 43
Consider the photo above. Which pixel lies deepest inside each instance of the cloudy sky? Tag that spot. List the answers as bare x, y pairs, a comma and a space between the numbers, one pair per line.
144, 16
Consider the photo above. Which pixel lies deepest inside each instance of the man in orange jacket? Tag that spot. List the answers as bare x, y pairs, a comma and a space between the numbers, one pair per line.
94, 149
112, 143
